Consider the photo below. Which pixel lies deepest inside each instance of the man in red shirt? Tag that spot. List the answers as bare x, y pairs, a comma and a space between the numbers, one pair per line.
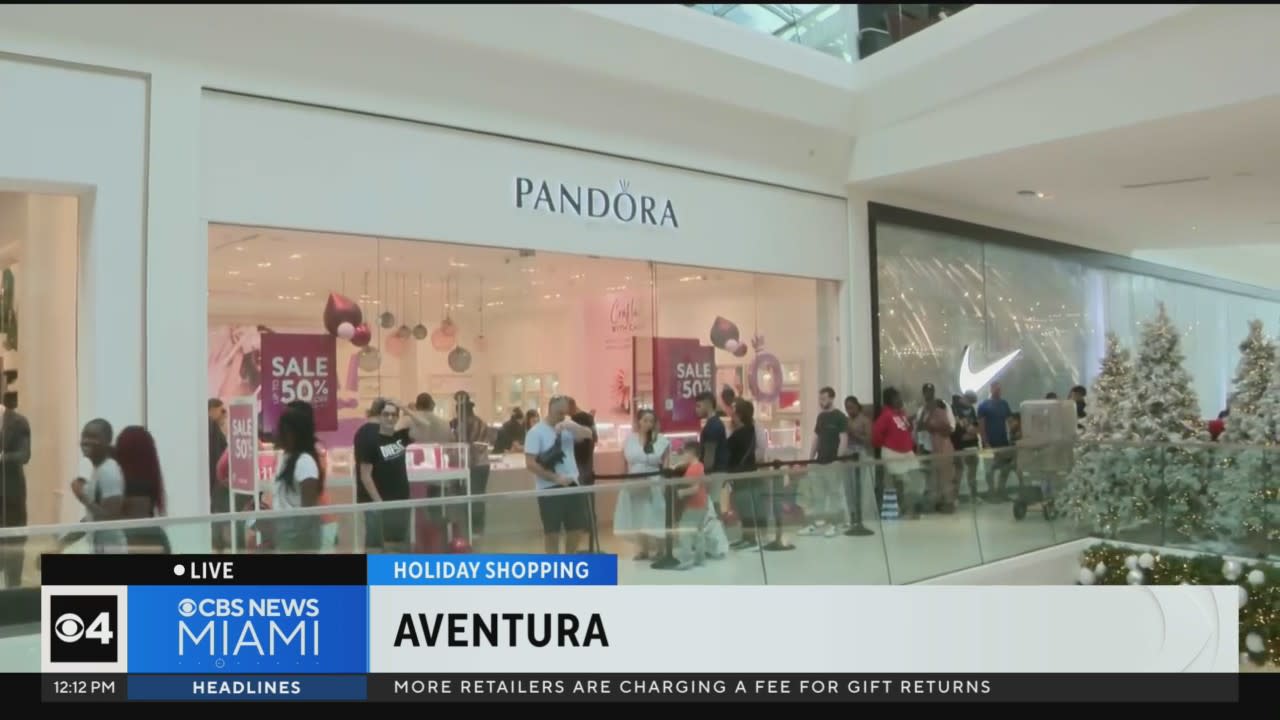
1217, 427
891, 435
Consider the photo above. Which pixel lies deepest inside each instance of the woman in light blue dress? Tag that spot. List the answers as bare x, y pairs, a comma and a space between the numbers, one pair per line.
640, 514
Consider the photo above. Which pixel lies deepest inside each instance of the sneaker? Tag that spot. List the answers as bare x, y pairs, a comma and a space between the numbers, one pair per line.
858, 531
808, 530
830, 531
742, 545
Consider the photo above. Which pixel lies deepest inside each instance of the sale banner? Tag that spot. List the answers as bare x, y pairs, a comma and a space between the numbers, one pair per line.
242, 445
299, 367
683, 368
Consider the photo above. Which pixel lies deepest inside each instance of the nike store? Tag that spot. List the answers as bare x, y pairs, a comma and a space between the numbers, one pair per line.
959, 305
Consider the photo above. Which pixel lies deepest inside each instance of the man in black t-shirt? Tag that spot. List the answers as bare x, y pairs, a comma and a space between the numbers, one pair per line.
825, 481
382, 476
965, 441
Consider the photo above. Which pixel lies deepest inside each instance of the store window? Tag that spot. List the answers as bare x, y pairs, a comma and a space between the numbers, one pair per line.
511, 328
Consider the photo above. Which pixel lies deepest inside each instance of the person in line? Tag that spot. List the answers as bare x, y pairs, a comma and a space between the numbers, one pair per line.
584, 454
858, 442
298, 484
102, 495
748, 496
641, 511
941, 497
695, 532
422, 422
1219, 426
143, 489
924, 437
473, 432
549, 458
892, 436
993, 424
511, 434
219, 495
329, 522
379, 448
15, 453
531, 420
827, 505
965, 442
1077, 396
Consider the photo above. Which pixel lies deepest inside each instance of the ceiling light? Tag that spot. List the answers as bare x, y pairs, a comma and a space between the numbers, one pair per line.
309, 294
1193, 227
233, 273
1033, 194
264, 264
296, 256
295, 278
528, 270
239, 248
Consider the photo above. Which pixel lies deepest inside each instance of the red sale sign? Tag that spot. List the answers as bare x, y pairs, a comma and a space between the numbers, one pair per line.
299, 367
242, 445
682, 369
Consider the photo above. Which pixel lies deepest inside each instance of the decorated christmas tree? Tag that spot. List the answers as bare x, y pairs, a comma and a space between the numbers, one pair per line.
1172, 473
1237, 490
1099, 492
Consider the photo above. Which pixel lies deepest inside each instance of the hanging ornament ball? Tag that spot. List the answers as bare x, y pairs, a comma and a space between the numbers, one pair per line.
1245, 659
459, 545
1086, 576
361, 335
370, 359
1135, 577
387, 320
448, 327
340, 309
731, 345
441, 341
1254, 644
1257, 578
460, 359
1242, 595
1131, 562
1146, 561
481, 343
394, 345
419, 332
1100, 570
346, 330
1231, 570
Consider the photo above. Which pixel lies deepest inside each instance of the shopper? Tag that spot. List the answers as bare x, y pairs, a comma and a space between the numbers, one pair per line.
15, 453
584, 454
422, 422
474, 433
924, 437
531, 420
858, 444
298, 483
219, 495
993, 423
511, 434
965, 441
379, 448
549, 457
143, 489
747, 495
891, 435
697, 537
640, 514
825, 478
941, 496
102, 495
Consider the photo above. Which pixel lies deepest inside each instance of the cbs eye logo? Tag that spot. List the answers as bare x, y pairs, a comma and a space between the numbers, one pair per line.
83, 629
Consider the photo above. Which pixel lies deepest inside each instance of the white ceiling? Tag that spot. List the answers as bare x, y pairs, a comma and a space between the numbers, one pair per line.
1236, 148
275, 273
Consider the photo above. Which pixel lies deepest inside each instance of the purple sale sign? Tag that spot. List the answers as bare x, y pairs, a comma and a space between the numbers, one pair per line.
299, 367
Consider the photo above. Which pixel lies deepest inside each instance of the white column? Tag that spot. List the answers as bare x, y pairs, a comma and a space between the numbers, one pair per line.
177, 303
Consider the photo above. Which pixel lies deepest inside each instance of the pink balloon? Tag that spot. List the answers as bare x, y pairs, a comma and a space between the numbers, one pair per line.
346, 330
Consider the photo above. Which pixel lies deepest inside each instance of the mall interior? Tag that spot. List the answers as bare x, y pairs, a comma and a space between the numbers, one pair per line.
630, 205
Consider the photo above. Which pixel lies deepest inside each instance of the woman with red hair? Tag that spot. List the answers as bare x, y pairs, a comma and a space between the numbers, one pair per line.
139, 462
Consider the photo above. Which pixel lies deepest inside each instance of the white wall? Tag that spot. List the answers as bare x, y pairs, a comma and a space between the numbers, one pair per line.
83, 132
276, 164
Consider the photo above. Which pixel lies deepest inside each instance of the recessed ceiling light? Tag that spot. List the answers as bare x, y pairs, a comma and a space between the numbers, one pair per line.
264, 264
295, 278
296, 256
1037, 194
239, 248
1193, 227
233, 273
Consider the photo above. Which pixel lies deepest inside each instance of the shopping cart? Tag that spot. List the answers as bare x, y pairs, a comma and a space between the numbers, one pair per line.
1045, 454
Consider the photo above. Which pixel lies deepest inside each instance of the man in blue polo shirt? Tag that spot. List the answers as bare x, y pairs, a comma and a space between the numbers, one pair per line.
993, 422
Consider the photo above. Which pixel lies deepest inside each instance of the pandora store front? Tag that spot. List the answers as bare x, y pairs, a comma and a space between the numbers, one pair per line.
413, 258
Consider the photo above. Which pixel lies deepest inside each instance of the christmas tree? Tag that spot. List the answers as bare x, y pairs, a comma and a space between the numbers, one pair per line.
1171, 472
1099, 493
1239, 494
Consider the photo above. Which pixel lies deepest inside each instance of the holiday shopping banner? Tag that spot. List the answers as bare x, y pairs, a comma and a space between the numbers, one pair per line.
242, 445
682, 369
299, 367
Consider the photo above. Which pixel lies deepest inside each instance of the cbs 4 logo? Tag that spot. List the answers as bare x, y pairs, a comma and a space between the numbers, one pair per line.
83, 628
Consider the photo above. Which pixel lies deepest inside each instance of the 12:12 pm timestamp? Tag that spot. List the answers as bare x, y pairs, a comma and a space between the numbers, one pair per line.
82, 688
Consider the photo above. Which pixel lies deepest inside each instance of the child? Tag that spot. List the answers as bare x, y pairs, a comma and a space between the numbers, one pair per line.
697, 524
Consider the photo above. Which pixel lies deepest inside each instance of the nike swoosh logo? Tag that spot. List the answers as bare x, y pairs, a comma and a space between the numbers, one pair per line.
975, 381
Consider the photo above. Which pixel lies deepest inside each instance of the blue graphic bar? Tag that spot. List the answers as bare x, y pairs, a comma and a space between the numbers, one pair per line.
247, 687
493, 570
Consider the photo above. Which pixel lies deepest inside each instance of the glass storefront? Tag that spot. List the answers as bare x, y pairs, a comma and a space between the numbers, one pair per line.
511, 328
940, 292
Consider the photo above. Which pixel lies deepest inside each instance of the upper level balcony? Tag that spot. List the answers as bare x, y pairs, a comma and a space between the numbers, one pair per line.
848, 32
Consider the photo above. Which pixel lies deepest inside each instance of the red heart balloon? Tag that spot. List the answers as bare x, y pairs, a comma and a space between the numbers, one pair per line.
340, 309
362, 336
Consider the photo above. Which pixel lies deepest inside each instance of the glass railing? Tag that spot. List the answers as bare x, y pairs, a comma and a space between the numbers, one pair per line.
850, 522
848, 32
